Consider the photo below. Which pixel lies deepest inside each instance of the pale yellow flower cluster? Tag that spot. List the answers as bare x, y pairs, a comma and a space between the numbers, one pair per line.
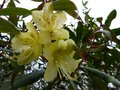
50, 40
27, 45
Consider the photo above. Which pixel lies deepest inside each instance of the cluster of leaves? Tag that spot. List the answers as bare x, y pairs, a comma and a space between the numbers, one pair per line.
98, 47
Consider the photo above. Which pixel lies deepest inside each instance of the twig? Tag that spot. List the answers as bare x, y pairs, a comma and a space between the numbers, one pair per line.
86, 54
1, 6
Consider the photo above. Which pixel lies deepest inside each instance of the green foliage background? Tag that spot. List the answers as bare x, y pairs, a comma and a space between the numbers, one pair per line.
98, 47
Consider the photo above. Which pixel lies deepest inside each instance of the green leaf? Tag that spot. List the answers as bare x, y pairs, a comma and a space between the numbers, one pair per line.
23, 80
83, 47
73, 14
15, 73
73, 85
79, 30
107, 33
100, 19
65, 5
12, 62
98, 83
86, 34
2, 43
15, 11
8, 27
11, 4
115, 56
17, 1
12, 18
110, 17
116, 31
103, 76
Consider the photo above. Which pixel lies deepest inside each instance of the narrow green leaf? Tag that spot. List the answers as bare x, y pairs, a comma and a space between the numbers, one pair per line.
79, 30
8, 27
28, 79
15, 11
2, 43
13, 63
83, 47
12, 18
65, 5
98, 82
17, 1
73, 85
86, 34
103, 75
11, 4
114, 59
23, 80
110, 17
15, 73
107, 33
73, 14
116, 31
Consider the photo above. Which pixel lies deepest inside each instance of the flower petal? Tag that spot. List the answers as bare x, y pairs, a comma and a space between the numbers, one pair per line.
25, 57
62, 45
49, 50
51, 72
31, 30
70, 46
60, 34
69, 64
45, 37
48, 11
39, 20
60, 19
21, 42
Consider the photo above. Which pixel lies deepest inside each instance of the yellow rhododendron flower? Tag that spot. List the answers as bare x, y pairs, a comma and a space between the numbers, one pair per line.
27, 45
47, 20
50, 24
60, 59
51, 40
